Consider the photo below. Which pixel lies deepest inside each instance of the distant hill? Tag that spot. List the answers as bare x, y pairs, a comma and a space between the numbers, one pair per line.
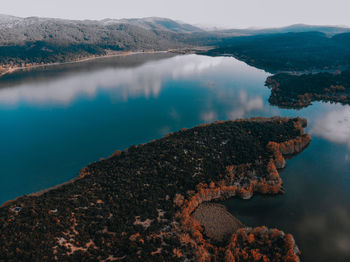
297, 28
36, 40
150, 32
156, 23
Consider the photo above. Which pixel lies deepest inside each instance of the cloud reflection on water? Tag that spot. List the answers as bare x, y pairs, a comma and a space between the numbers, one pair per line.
327, 230
334, 126
145, 80
236, 102
246, 105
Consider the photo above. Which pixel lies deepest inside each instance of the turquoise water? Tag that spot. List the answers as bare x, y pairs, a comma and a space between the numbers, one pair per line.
55, 121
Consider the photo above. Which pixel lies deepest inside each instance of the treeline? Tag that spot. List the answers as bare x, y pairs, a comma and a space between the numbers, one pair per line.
289, 51
44, 52
299, 91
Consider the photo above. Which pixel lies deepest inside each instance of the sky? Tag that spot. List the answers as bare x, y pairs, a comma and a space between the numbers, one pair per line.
220, 13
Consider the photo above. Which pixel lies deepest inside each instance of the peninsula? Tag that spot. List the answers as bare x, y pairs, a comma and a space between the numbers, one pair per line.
139, 203
298, 91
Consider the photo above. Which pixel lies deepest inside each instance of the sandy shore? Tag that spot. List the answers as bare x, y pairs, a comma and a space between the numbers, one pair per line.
218, 223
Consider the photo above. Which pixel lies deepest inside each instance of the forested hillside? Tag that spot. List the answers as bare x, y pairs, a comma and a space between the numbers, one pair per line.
297, 91
34, 40
46, 40
289, 51
125, 32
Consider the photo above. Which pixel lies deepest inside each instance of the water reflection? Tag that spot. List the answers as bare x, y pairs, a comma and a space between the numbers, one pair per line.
237, 103
145, 80
329, 231
334, 126
64, 117
246, 105
50, 73
315, 205
88, 111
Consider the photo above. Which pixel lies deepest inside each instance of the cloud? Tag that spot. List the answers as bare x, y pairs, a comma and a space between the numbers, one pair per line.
334, 126
245, 105
174, 114
145, 80
235, 103
329, 230
209, 116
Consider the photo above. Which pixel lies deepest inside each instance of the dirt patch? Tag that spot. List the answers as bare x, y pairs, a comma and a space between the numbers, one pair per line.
218, 223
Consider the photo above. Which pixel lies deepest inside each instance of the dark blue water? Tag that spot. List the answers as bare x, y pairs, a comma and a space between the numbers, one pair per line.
58, 120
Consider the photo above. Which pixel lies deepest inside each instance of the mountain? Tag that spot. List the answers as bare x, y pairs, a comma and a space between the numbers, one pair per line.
157, 23
34, 40
297, 28
16, 30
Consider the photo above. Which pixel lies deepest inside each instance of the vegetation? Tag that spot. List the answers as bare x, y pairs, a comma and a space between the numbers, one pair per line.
256, 244
297, 91
289, 51
33, 41
42, 52
314, 55
136, 205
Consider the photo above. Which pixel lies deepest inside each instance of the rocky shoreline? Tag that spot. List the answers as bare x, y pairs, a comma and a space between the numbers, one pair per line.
138, 204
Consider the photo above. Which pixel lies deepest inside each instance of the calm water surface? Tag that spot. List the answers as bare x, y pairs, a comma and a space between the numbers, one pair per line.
55, 121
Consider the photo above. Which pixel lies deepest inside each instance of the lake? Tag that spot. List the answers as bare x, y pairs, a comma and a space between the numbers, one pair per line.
58, 119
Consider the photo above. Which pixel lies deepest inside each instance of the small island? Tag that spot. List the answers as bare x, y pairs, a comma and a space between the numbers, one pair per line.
153, 202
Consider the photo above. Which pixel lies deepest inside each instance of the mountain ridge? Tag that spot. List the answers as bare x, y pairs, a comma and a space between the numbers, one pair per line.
29, 41
294, 28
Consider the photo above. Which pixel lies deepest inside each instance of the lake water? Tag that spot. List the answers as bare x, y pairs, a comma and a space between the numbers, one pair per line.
56, 120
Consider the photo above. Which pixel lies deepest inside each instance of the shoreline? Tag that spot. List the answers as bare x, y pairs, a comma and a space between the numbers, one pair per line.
179, 51
40, 192
334, 89
85, 172
275, 147
89, 58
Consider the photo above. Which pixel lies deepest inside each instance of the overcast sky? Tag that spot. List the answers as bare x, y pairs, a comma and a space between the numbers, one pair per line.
225, 13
